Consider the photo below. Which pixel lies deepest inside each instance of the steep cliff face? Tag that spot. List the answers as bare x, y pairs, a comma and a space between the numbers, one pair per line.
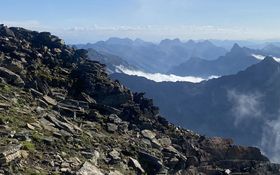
61, 114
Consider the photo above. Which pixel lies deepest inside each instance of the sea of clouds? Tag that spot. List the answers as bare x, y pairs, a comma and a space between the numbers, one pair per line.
158, 77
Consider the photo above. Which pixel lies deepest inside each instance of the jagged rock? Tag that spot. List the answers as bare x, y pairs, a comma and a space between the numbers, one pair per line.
30, 126
155, 143
88, 98
36, 93
135, 164
72, 107
39, 110
48, 140
146, 141
123, 126
5, 31
22, 136
111, 127
151, 163
50, 100
165, 142
192, 161
15, 65
148, 134
9, 153
60, 124
59, 94
89, 169
42, 104
5, 105
115, 155
47, 125
11, 77
95, 157
115, 119
115, 172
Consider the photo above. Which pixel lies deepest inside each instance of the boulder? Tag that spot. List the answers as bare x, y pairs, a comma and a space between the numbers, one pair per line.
49, 100
111, 127
95, 157
9, 153
148, 134
115, 155
89, 169
5, 31
114, 119
11, 77
135, 164
152, 164
165, 142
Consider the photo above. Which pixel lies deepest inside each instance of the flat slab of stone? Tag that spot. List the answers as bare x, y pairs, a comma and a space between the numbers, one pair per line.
148, 134
49, 100
89, 169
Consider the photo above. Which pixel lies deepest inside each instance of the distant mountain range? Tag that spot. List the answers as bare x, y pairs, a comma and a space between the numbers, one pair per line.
237, 59
244, 106
151, 57
189, 58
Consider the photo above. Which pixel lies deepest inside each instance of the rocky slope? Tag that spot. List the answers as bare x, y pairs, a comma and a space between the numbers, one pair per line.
61, 114
112, 62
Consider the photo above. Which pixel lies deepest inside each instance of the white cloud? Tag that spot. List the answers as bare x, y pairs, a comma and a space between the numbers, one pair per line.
158, 77
245, 106
271, 140
261, 57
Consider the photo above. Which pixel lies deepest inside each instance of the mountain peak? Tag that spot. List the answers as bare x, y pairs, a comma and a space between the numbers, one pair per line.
264, 69
269, 61
170, 41
121, 41
235, 48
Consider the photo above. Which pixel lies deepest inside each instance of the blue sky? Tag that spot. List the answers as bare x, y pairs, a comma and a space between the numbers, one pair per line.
90, 20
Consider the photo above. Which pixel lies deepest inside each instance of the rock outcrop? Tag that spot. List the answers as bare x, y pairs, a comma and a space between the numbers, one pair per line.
63, 115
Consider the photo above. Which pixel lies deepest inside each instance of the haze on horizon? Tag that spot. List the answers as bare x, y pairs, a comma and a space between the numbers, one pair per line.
92, 20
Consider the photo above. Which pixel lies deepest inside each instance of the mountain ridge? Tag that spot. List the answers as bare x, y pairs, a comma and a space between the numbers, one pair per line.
236, 60
240, 106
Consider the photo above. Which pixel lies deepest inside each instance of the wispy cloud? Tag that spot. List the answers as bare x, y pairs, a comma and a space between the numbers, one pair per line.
245, 106
30, 24
271, 140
